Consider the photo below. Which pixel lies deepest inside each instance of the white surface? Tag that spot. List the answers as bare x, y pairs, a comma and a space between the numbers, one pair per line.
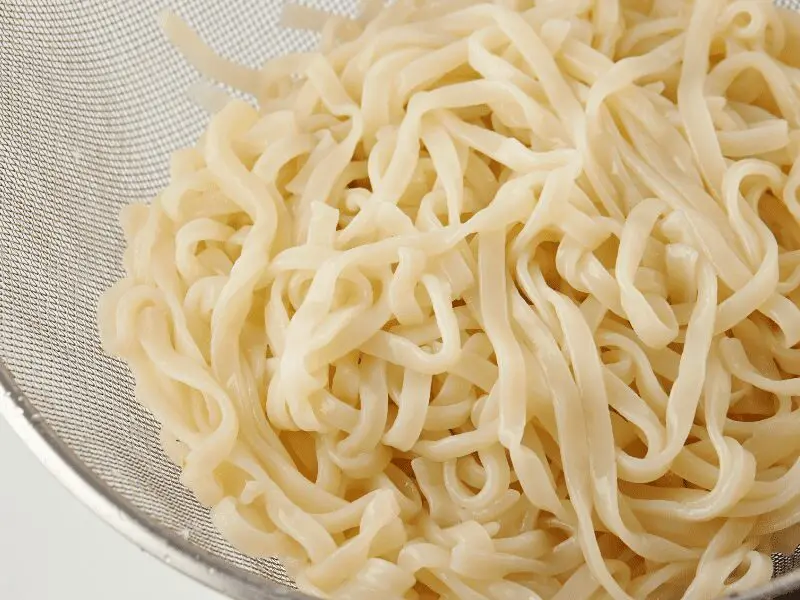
54, 548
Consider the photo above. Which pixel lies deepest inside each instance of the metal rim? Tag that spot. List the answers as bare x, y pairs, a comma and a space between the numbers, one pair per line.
161, 542
152, 537
783, 588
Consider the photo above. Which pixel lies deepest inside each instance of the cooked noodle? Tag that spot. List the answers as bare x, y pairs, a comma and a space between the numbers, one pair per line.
487, 300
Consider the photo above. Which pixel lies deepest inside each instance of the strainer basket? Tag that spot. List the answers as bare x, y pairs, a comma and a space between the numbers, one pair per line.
92, 102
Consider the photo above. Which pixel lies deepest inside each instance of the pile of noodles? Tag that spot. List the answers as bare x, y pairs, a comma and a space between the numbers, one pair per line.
487, 300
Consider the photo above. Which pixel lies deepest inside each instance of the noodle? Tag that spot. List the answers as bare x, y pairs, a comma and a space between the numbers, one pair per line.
486, 300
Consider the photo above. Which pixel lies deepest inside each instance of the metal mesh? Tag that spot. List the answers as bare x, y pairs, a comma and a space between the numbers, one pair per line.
785, 563
92, 102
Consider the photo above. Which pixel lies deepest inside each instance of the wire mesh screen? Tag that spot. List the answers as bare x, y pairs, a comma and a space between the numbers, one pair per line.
92, 102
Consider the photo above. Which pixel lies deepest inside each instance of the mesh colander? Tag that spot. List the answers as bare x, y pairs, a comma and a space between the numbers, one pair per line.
92, 102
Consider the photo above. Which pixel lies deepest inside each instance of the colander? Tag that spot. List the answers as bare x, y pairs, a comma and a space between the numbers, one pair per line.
92, 102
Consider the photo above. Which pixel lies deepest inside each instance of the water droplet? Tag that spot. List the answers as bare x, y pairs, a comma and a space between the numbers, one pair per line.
185, 533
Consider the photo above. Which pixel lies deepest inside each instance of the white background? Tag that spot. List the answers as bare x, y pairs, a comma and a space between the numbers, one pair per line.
54, 548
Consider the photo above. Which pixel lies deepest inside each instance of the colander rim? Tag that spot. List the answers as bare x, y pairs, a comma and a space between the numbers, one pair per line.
154, 538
